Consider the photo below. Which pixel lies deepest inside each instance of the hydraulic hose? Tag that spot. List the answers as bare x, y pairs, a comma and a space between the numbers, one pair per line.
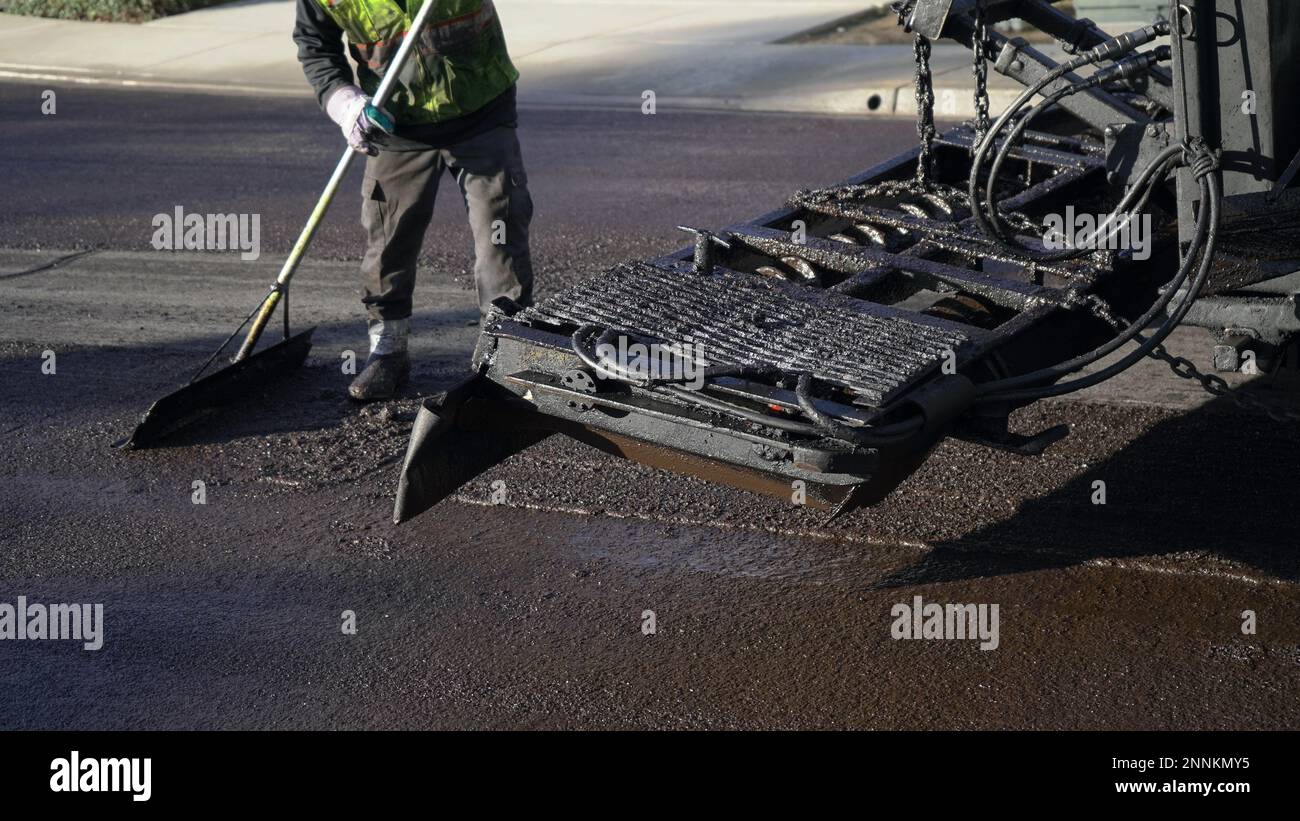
1129, 67
1108, 50
614, 370
881, 435
819, 424
1208, 229
1070, 366
790, 425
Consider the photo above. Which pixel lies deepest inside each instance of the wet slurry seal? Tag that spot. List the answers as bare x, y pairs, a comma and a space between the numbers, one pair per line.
476, 615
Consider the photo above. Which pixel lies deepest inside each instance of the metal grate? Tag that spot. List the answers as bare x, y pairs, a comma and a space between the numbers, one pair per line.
738, 318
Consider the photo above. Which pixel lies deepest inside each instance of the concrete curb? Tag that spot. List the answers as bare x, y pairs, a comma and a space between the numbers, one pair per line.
88, 77
881, 101
714, 55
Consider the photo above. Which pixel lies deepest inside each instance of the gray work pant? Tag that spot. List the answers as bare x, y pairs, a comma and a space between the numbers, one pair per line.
398, 196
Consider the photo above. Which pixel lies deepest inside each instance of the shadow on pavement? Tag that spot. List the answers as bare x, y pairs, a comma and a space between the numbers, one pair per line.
1216, 480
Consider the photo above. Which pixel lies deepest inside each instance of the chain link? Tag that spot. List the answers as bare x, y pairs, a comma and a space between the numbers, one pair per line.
921, 49
924, 181
1184, 368
924, 112
979, 43
1180, 366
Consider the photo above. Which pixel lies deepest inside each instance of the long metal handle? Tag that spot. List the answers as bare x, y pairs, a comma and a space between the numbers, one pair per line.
299, 250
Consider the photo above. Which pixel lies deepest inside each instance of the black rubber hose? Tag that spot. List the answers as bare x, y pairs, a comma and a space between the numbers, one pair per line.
614, 370
982, 149
790, 425
821, 424
1068, 367
1211, 193
1133, 201
1133, 66
1108, 50
1140, 192
579, 344
882, 435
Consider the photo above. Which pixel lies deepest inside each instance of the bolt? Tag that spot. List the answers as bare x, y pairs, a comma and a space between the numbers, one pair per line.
1228, 353
704, 246
1226, 359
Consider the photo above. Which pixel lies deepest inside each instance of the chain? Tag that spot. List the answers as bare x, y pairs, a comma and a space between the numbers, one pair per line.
978, 45
923, 183
1181, 366
1184, 368
1217, 386
924, 112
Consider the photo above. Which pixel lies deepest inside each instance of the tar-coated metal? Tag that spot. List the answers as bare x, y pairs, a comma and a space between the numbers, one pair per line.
867, 287
734, 318
202, 397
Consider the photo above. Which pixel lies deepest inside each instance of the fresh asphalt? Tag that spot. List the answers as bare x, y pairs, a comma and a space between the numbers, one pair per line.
529, 613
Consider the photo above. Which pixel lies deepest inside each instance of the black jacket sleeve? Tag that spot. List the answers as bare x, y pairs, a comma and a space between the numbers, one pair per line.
320, 50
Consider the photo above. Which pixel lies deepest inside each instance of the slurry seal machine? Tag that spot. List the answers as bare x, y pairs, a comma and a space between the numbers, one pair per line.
837, 339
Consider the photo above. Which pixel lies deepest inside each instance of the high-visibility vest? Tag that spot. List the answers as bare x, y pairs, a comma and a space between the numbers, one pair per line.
459, 64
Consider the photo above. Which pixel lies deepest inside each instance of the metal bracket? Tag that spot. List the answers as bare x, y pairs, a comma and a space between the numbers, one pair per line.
928, 17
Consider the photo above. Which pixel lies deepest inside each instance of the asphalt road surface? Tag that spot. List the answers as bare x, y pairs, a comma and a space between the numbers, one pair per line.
529, 613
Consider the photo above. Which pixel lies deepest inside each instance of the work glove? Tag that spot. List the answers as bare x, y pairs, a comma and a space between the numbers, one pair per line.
357, 118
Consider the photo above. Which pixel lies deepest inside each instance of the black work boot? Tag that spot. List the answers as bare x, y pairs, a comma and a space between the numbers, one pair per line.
381, 377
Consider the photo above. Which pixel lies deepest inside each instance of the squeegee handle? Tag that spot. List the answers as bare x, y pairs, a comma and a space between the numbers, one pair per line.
299, 250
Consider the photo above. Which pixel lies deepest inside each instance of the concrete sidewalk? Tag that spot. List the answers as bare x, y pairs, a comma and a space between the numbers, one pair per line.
691, 53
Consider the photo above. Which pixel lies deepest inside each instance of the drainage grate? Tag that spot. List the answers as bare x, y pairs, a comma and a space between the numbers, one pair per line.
735, 318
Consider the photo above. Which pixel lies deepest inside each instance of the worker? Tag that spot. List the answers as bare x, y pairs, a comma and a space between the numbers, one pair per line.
453, 108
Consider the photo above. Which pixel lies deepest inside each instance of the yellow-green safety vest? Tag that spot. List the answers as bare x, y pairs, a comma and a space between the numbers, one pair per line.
459, 64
